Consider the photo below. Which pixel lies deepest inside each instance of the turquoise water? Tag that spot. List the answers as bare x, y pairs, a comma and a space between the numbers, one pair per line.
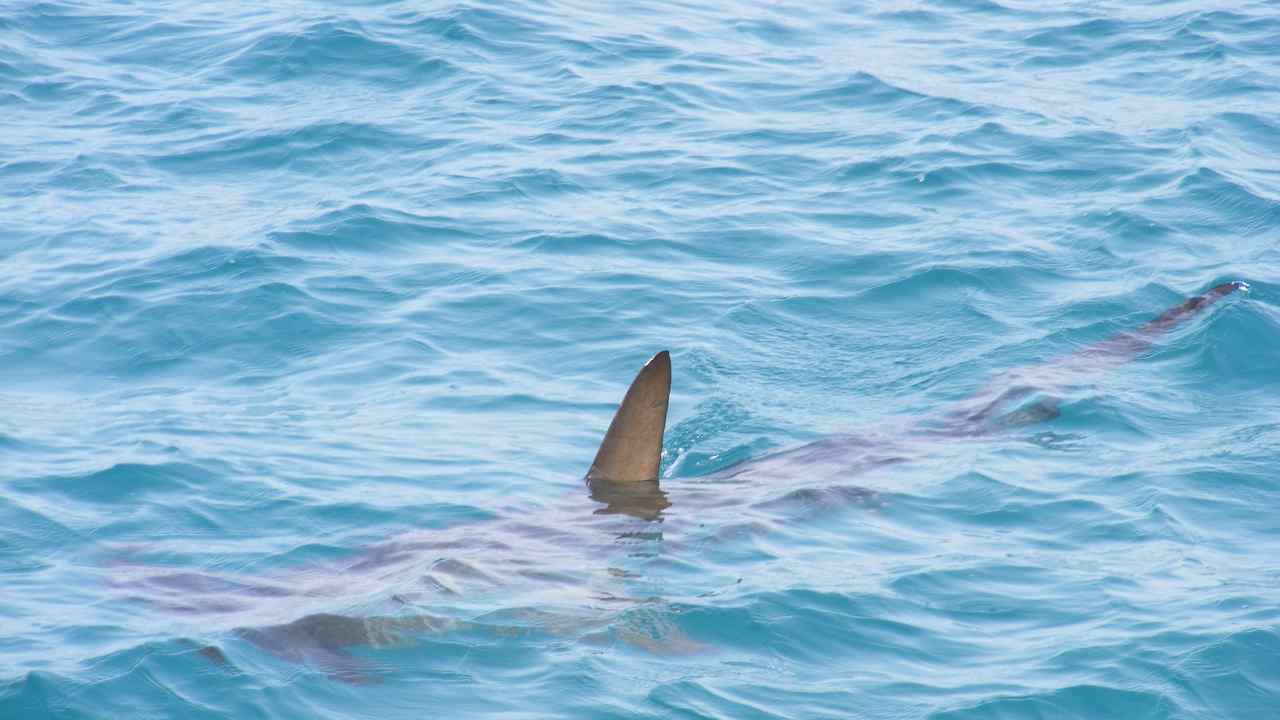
312, 316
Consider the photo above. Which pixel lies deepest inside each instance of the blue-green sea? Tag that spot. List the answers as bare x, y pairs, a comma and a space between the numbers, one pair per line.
312, 316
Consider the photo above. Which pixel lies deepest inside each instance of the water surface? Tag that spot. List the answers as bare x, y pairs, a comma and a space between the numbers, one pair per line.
282, 285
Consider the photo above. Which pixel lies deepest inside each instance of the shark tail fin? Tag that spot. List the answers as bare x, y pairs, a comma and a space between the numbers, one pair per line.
1126, 345
1176, 314
632, 448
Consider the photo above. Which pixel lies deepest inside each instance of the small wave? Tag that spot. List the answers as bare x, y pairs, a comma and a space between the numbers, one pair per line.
313, 145
1076, 701
509, 30
865, 90
122, 483
29, 538
363, 228
336, 51
1232, 201
1077, 36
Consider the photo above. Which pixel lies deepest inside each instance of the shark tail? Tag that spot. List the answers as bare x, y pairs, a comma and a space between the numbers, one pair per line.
1026, 402
632, 448
1125, 345
1192, 305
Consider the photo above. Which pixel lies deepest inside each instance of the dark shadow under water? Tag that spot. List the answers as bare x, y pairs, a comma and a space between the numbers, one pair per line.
581, 533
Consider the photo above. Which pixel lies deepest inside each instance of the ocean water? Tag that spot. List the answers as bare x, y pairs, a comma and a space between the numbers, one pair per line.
312, 316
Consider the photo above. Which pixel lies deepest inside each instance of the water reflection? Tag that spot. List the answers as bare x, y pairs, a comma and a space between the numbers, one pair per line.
642, 500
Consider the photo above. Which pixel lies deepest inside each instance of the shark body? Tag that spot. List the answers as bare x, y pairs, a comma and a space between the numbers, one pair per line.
624, 474
623, 489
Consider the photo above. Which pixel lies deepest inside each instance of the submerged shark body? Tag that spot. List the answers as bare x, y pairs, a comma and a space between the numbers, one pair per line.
626, 500
632, 487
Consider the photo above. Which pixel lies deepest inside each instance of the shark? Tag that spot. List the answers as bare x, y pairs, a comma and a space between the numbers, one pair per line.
626, 496
624, 474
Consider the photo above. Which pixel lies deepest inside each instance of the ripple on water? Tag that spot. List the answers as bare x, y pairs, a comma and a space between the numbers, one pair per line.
311, 319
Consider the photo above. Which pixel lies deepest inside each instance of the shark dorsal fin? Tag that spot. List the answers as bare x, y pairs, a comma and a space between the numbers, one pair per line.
632, 448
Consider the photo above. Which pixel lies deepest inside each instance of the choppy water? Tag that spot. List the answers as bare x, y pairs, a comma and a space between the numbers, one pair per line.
282, 284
